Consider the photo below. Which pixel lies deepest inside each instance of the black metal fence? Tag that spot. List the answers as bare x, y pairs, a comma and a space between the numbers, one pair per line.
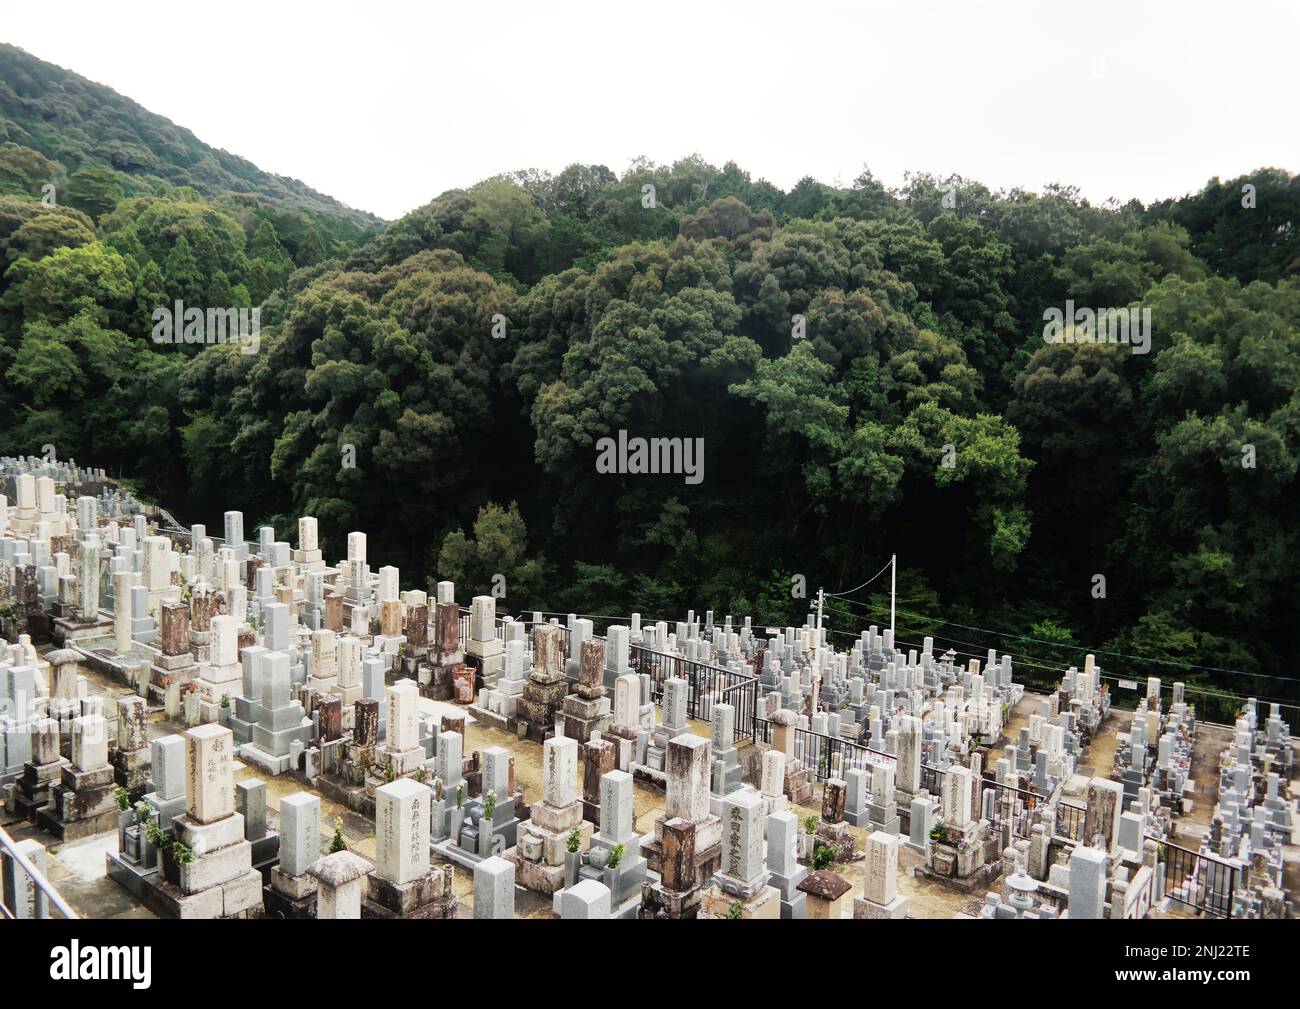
1219, 706
1069, 821
1202, 882
707, 685
1010, 805
820, 752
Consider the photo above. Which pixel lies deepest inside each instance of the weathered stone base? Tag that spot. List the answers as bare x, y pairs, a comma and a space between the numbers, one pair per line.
64, 630
536, 876
545, 836
404, 762
766, 904
538, 706
240, 897
798, 785
647, 775
482, 714
891, 826
837, 837
131, 770
435, 682
658, 902
977, 880
74, 830
895, 910
707, 862
289, 896
268, 762
32, 788
582, 729
355, 797
129, 876
429, 896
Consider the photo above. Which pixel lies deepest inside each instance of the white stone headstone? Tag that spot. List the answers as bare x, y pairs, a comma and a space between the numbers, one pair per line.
402, 830
209, 771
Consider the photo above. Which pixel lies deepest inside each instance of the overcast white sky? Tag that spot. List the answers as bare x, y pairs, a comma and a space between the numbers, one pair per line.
385, 104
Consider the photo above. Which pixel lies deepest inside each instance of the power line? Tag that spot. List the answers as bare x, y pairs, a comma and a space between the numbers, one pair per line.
1059, 669
849, 592
1021, 660
1092, 649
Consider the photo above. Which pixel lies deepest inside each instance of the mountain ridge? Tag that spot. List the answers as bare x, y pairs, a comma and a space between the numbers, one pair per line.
80, 123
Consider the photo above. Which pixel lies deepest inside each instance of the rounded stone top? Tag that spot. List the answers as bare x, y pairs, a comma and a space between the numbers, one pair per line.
62, 656
339, 868
1020, 883
784, 716
825, 884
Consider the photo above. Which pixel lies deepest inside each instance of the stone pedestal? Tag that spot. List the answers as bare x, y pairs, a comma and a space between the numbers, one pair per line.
959, 861
131, 761
784, 871
880, 897
41, 772
798, 783
403, 884
587, 710
428, 895
341, 878
546, 687
218, 880
598, 759
81, 802
678, 893
539, 854
276, 720
765, 904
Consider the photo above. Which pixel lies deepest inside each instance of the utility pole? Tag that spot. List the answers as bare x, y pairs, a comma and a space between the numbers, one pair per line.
821, 595
893, 592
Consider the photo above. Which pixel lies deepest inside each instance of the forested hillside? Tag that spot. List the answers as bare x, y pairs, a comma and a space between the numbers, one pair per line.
103, 141
866, 367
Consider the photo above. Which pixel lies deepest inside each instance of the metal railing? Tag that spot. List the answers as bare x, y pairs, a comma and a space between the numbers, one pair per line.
707, 685
819, 751
20, 874
1011, 805
1202, 882
1069, 821
500, 629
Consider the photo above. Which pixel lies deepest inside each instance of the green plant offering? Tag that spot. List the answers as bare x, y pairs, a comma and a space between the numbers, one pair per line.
616, 854
574, 841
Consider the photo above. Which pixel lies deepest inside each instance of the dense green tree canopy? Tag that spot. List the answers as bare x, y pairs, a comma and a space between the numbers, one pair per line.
865, 370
